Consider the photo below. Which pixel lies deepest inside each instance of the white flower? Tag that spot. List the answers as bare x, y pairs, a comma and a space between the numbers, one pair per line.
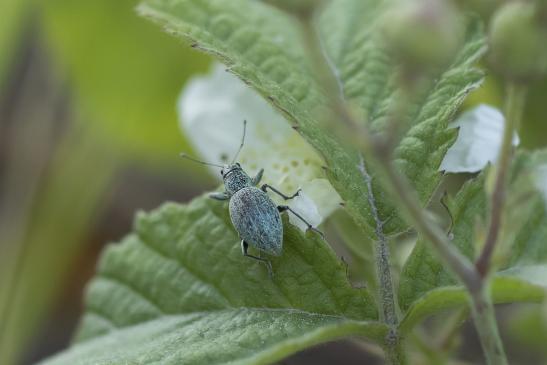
212, 109
479, 140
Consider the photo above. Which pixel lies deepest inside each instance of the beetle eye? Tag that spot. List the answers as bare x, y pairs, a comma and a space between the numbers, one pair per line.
222, 171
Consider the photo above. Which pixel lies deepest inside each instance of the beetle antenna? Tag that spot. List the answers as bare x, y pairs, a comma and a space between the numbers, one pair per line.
184, 155
242, 141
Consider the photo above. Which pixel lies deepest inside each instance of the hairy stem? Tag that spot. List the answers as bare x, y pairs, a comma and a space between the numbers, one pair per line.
514, 105
328, 78
383, 273
383, 267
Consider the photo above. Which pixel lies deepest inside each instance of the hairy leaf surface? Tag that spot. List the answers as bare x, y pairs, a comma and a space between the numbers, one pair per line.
263, 47
179, 290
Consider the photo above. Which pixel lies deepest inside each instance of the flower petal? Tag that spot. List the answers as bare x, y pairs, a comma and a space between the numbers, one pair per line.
212, 109
479, 140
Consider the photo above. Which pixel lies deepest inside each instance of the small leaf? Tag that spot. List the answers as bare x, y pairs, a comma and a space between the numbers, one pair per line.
179, 290
423, 271
506, 288
262, 46
424, 275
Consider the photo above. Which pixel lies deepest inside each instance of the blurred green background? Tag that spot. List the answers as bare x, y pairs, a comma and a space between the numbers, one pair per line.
88, 136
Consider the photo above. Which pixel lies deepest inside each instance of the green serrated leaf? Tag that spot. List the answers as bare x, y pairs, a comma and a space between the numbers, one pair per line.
262, 46
179, 290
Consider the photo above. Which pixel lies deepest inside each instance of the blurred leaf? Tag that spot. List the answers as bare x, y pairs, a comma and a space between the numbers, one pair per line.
125, 73
14, 13
62, 212
423, 272
530, 243
534, 129
528, 328
261, 46
506, 288
179, 290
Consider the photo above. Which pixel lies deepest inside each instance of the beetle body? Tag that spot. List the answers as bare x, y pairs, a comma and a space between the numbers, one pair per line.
255, 217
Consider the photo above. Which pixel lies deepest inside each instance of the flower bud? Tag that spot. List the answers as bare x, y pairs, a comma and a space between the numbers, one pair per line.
484, 8
518, 42
423, 33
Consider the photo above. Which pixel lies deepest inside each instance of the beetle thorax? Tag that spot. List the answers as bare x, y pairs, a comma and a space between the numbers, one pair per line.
235, 179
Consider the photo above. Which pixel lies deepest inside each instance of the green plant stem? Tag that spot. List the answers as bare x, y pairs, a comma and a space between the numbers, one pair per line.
381, 150
514, 106
482, 307
383, 268
457, 262
327, 77
383, 273
332, 85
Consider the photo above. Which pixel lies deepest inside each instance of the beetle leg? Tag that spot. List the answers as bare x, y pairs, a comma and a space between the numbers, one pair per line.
219, 196
266, 186
245, 247
256, 180
283, 208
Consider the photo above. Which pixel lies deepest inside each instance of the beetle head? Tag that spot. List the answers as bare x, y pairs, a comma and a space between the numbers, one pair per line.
234, 178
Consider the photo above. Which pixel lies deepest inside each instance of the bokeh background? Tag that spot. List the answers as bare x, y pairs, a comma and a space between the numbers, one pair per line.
88, 136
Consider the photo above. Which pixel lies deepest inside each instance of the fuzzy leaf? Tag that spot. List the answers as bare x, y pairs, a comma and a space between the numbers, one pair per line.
262, 46
179, 290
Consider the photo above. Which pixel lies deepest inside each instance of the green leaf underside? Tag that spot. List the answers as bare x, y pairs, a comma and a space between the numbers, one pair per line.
424, 274
262, 46
179, 289
232, 336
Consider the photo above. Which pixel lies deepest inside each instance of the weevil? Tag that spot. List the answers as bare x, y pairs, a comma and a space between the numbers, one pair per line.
254, 215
